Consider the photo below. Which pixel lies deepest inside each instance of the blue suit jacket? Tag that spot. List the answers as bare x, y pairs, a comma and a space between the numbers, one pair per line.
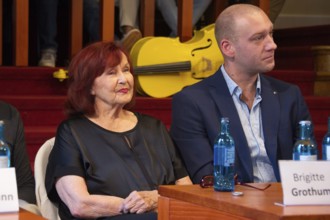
196, 112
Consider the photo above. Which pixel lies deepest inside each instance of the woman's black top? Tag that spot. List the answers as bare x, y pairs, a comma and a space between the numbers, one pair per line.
14, 137
113, 163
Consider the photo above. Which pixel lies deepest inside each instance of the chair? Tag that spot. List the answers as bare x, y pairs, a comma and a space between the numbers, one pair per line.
47, 208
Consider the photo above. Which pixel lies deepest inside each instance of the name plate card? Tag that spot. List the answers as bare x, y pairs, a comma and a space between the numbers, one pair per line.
8, 190
305, 182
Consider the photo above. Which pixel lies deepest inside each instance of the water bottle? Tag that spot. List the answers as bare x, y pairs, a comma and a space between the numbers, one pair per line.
224, 159
4, 149
305, 148
326, 144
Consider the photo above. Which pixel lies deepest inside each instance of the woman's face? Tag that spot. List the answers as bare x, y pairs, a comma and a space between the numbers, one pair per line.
115, 86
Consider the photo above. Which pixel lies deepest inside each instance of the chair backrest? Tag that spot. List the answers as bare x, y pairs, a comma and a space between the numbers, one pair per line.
47, 208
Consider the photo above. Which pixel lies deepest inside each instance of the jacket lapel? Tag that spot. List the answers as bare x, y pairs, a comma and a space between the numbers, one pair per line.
220, 94
270, 110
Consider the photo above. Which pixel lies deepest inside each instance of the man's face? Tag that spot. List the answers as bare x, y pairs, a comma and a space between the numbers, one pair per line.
254, 44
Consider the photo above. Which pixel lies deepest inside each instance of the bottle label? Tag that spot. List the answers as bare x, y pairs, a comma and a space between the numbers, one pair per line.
229, 156
3, 162
328, 152
307, 157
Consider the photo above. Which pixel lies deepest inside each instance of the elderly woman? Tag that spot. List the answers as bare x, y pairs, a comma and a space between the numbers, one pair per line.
108, 161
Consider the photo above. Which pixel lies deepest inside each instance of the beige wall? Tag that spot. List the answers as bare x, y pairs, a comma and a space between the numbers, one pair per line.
302, 13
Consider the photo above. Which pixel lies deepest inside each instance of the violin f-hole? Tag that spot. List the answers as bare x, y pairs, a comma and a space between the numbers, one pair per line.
202, 48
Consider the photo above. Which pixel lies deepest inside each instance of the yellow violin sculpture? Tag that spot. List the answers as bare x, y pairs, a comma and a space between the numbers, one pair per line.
163, 65
61, 74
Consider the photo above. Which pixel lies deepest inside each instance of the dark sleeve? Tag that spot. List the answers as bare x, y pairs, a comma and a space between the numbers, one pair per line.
64, 159
179, 168
14, 136
190, 136
302, 113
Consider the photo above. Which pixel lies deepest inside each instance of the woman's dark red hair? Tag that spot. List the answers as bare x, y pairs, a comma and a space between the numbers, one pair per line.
88, 64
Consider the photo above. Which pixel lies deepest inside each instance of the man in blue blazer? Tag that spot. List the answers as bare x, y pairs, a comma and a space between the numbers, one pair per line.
264, 112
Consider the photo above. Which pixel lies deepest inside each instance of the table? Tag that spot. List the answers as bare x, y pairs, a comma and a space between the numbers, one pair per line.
21, 215
194, 202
